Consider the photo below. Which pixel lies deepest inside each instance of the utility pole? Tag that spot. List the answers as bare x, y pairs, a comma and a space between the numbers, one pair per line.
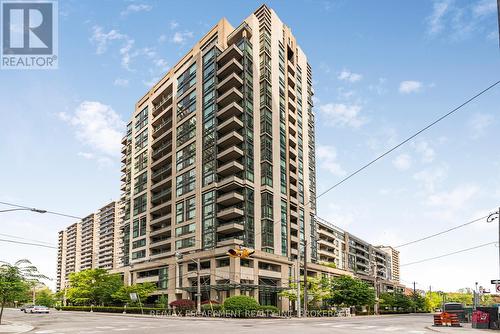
496, 215
375, 285
306, 299
198, 295
298, 284
415, 295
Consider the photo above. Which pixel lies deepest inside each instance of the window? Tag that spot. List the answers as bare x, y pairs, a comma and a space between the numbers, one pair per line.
162, 278
141, 161
267, 205
186, 131
186, 156
179, 212
186, 80
140, 204
139, 254
266, 148
184, 243
185, 182
208, 219
139, 227
141, 119
190, 208
267, 174
140, 183
186, 229
141, 140
139, 243
186, 106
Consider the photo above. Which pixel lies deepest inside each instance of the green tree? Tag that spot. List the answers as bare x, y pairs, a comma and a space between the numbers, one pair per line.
93, 287
143, 290
349, 291
15, 280
45, 297
317, 288
433, 301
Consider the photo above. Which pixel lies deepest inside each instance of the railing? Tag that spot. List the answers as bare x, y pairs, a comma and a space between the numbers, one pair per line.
162, 102
167, 121
161, 148
161, 171
161, 194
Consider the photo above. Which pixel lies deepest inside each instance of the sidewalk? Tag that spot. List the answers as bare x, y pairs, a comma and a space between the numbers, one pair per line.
467, 328
12, 327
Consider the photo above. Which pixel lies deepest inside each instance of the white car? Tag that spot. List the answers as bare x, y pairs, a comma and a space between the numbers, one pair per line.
37, 309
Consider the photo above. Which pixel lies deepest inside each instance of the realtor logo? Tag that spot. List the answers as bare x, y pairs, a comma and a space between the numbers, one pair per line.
29, 34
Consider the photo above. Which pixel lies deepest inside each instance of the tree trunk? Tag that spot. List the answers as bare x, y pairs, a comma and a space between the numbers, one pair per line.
1, 311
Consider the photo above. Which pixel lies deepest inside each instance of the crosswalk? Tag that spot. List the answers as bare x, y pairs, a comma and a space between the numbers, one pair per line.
371, 328
99, 329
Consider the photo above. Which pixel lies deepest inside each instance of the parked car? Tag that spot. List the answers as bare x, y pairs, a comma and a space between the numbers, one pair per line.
38, 309
25, 306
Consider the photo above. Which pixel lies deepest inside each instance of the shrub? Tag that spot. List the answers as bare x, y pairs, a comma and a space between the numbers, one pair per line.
211, 308
241, 306
183, 305
269, 309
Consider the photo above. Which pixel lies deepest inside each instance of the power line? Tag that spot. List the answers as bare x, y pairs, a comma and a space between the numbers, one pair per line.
21, 238
44, 211
407, 139
442, 232
27, 243
449, 254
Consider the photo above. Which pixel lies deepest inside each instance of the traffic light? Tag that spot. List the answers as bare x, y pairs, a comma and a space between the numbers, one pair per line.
241, 253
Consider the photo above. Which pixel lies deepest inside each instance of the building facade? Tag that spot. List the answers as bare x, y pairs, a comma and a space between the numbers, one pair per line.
94, 242
219, 154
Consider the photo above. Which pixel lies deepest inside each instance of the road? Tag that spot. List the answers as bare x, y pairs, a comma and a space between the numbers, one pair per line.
98, 323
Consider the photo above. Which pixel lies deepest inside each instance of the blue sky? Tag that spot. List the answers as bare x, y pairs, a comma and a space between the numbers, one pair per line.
381, 71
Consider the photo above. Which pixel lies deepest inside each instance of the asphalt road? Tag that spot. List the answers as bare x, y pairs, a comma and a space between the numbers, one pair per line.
98, 323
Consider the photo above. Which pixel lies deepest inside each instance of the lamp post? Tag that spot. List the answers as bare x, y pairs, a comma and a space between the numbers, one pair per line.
25, 209
180, 256
492, 217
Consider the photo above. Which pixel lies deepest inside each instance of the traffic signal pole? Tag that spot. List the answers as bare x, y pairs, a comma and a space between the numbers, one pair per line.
198, 295
305, 277
298, 284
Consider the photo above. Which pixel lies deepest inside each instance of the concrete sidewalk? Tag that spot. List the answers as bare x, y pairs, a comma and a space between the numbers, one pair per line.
12, 327
466, 328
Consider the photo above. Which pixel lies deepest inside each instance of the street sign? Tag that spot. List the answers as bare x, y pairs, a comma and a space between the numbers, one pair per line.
495, 281
133, 296
497, 287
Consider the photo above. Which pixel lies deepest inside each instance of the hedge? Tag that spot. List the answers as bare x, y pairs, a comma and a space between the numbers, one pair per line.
112, 309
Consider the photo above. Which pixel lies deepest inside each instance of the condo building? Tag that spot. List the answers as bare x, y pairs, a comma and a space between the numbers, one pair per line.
93, 242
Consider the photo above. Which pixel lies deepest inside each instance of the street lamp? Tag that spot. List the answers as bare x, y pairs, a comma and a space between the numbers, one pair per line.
492, 217
180, 256
25, 209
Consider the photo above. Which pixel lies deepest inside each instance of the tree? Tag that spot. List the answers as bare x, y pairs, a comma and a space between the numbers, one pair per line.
45, 297
15, 280
317, 288
143, 290
349, 291
93, 287
433, 301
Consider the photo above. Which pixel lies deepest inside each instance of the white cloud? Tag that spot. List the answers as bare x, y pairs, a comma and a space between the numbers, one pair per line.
98, 127
173, 25
410, 86
455, 199
349, 76
162, 38
134, 8
435, 20
181, 37
379, 87
327, 159
121, 82
86, 155
484, 7
340, 114
426, 152
479, 123
402, 161
102, 39
431, 177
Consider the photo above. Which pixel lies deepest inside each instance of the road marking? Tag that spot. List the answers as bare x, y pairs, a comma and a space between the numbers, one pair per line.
365, 327
48, 331
391, 329
342, 325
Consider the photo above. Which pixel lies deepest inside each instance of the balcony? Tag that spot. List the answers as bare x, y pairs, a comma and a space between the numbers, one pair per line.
161, 127
230, 183
231, 124
230, 213
232, 81
229, 154
166, 229
231, 52
229, 242
162, 104
291, 68
243, 30
232, 109
291, 105
162, 150
230, 168
161, 173
161, 196
232, 66
233, 138
161, 220
230, 198
232, 95
230, 228
291, 80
